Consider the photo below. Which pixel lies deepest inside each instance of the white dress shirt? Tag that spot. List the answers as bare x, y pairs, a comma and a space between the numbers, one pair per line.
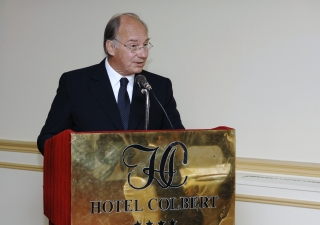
115, 77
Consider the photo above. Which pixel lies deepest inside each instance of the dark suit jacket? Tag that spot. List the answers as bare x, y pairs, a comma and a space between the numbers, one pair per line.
85, 102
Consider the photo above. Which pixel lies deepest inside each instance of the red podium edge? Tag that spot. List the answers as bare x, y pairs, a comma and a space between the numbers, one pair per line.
57, 179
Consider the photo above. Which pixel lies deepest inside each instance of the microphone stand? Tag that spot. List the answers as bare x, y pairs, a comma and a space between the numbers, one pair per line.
146, 122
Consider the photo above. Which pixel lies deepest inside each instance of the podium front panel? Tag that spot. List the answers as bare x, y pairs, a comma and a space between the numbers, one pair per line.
153, 177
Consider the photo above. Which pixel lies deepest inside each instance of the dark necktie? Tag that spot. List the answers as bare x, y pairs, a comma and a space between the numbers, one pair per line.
124, 102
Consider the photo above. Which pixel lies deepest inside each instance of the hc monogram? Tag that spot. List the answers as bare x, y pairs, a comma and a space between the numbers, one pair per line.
166, 177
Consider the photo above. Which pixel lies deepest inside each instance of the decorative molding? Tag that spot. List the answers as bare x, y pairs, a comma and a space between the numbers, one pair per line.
239, 197
278, 201
278, 167
242, 164
21, 166
19, 146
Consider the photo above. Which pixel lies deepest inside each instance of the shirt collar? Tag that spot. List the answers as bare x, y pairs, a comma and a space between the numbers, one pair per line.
115, 77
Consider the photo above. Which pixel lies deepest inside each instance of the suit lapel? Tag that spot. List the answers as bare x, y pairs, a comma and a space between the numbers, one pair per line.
100, 87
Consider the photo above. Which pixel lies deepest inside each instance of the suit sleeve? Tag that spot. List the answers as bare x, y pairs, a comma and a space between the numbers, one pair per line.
171, 109
59, 117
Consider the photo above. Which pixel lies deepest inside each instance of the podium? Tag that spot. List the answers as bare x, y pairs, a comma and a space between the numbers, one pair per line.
169, 177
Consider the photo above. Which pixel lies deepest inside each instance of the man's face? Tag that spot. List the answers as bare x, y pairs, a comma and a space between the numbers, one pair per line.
125, 62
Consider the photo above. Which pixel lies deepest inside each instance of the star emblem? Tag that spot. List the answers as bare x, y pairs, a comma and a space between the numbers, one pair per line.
149, 223
137, 223
172, 222
161, 222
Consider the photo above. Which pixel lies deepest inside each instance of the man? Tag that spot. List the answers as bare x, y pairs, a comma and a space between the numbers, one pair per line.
97, 99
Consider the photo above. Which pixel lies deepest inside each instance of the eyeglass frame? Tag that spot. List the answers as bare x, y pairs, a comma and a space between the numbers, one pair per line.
146, 47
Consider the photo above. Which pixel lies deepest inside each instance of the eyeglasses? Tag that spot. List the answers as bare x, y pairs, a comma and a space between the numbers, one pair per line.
134, 48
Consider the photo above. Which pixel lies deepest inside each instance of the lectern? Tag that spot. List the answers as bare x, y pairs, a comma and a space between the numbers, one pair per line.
176, 177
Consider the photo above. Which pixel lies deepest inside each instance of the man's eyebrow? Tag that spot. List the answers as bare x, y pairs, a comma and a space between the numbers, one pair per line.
135, 40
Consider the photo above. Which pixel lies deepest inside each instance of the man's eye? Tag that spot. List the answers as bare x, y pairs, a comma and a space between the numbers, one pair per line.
145, 44
132, 46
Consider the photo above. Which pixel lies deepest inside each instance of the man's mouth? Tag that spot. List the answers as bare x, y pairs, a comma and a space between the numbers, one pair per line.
139, 63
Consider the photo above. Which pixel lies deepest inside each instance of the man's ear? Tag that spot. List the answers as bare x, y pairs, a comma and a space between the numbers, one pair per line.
110, 47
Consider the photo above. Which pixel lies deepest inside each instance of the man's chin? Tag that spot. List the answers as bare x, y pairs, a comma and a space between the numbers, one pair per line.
138, 70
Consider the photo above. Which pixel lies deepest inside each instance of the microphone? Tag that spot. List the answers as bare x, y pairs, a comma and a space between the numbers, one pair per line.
142, 82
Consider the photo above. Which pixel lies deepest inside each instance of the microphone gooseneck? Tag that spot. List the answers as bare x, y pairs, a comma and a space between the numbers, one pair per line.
163, 110
143, 83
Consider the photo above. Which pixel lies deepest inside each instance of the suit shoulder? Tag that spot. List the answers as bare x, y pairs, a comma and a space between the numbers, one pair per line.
153, 76
82, 71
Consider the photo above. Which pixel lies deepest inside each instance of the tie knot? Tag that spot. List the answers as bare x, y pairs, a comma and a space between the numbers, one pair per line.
124, 82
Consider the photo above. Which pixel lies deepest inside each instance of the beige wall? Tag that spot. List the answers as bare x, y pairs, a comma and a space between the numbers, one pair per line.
251, 65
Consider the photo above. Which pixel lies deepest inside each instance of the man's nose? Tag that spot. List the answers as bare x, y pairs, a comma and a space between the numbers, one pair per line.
142, 53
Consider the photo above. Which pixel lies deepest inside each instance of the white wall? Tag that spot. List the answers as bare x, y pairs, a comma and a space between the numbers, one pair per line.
21, 198
251, 65
248, 213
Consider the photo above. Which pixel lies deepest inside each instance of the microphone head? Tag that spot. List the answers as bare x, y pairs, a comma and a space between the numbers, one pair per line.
142, 82
140, 79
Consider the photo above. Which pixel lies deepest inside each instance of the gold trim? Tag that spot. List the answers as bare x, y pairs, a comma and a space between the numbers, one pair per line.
239, 197
278, 201
21, 166
19, 146
242, 164
278, 167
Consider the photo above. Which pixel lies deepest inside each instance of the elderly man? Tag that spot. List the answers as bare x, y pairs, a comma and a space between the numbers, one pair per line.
104, 96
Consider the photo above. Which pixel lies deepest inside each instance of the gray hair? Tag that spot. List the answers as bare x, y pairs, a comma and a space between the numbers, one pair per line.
112, 28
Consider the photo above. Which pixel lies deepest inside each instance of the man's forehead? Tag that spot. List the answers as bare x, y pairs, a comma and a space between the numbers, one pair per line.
132, 30
129, 19
130, 24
